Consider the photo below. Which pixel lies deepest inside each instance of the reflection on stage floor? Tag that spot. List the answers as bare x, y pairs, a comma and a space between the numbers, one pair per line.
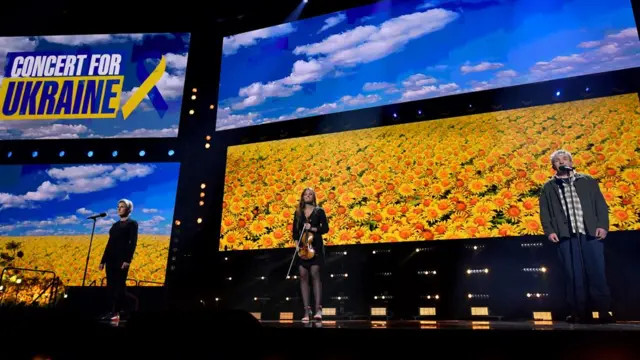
451, 325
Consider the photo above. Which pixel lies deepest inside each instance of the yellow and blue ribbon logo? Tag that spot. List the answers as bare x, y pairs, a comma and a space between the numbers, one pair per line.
148, 87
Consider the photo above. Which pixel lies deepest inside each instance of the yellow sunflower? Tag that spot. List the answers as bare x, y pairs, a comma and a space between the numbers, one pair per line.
530, 205
258, 227
477, 186
483, 207
530, 225
391, 212
507, 230
514, 212
622, 217
359, 213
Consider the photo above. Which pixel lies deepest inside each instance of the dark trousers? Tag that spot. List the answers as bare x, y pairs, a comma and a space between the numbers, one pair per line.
117, 286
586, 283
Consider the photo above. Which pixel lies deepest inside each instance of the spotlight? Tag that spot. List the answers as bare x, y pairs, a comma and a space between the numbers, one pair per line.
191, 112
587, 89
193, 97
207, 145
470, 106
212, 106
203, 186
558, 93
34, 154
305, 1
419, 112
90, 154
171, 152
9, 154
199, 220
194, 90
142, 153
114, 153
395, 115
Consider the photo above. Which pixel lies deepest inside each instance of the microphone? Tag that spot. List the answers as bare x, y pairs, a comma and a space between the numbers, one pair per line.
565, 168
93, 217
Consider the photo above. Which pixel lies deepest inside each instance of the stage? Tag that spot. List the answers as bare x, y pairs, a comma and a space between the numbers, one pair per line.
233, 333
451, 325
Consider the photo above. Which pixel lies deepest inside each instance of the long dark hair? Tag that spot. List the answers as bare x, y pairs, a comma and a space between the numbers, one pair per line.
301, 203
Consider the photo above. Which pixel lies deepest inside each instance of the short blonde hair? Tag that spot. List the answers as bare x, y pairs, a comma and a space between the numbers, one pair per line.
557, 153
128, 203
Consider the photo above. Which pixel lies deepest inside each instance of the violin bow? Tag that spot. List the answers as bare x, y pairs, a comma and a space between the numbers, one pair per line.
295, 252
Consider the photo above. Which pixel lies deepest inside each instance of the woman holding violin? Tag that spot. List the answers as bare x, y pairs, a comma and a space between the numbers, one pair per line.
309, 224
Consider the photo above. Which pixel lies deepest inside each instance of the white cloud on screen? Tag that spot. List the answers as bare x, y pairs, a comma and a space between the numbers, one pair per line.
483, 66
77, 40
333, 21
231, 44
70, 180
615, 50
330, 56
84, 211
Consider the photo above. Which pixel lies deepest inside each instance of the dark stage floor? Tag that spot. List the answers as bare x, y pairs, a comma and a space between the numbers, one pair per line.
232, 335
451, 325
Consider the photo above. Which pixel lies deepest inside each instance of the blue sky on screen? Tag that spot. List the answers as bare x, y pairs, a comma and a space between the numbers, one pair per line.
56, 199
144, 121
410, 50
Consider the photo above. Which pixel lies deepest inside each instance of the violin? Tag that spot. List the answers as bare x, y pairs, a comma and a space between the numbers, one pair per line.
305, 247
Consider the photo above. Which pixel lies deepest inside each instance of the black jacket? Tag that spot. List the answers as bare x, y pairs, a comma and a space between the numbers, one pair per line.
594, 207
318, 220
123, 238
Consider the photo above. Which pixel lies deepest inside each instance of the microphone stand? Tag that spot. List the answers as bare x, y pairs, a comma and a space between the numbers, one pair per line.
86, 265
585, 281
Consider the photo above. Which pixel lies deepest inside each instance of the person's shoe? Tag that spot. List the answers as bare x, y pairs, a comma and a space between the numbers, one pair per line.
318, 315
605, 318
107, 316
307, 314
573, 319
115, 317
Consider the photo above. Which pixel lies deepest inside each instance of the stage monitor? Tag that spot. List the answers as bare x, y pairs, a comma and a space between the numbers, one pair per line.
45, 211
400, 51
92, 86
433, 180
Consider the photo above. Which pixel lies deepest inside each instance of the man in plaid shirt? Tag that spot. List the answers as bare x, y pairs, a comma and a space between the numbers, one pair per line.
575, 215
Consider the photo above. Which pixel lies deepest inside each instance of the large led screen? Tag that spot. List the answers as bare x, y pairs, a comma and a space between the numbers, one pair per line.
92, 86
44, 212
476, 176
399, 51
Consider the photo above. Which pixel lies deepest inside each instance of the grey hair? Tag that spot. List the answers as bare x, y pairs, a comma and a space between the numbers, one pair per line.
128, 203
557, 153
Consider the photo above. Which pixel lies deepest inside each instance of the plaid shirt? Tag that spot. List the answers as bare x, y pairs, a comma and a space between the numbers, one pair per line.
571, 202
